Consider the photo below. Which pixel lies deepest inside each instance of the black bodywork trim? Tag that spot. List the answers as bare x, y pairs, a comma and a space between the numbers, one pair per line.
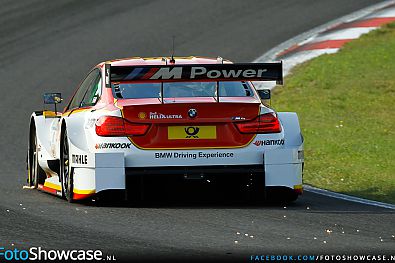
54, 165
220, 170
241, 177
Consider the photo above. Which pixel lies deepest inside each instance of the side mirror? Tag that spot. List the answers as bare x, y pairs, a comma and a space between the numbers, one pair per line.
52, 98
264, 94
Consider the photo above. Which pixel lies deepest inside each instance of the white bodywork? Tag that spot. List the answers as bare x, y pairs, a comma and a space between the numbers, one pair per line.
96, 170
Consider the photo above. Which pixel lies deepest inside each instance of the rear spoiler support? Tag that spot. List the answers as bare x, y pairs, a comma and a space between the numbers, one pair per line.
108, 75
217, 90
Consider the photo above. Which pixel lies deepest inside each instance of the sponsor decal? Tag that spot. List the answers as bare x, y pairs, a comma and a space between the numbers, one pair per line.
113, 145
203, 72
191, 132
156, 115
79, 158
90, 123
192, 113
269, 142
189, 155
142, 115
252, 71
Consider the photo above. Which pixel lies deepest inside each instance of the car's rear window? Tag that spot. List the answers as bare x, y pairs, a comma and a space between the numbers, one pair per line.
181, 89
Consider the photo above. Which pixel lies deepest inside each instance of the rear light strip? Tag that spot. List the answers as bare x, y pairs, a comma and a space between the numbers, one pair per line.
117, 126
265, 123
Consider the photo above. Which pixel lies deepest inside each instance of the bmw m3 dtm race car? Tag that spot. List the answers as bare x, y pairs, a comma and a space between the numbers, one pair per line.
188, 117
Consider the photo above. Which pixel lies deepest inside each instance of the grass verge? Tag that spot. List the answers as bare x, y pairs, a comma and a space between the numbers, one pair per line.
346, 105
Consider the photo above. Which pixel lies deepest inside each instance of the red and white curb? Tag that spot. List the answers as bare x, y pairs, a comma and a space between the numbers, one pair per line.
328, 38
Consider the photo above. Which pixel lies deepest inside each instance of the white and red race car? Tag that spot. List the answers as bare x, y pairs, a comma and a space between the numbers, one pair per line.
189, 117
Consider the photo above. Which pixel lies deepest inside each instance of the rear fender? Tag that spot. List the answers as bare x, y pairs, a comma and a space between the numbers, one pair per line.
93, 172
284, 166
45, 128
292, 133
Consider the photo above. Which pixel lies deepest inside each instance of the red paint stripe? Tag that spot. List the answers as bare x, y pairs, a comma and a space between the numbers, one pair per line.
372, 22
55, 192
325, 44
316, 45
81, 196
47, 189
289, 50
150, 73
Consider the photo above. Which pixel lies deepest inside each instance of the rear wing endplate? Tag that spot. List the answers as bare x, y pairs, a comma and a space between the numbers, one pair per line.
196, 72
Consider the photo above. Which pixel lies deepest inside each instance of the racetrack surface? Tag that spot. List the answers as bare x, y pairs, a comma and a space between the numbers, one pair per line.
51, 45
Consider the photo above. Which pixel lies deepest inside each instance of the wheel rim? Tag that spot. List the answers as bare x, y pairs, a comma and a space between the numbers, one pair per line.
65, 166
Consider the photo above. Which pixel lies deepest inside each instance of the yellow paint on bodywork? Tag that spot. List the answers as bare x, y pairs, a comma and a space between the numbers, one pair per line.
84, 192
53, 186
298, 186
192, 132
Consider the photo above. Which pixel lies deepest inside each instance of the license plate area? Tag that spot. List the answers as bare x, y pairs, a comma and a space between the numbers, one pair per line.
191, 132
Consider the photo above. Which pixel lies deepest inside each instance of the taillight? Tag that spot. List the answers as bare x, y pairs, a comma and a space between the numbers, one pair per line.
116, 126
265, 123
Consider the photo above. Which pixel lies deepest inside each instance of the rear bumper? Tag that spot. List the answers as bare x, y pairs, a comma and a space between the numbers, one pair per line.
279, 168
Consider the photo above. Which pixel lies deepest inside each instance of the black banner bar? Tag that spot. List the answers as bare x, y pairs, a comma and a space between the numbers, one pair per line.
198, 72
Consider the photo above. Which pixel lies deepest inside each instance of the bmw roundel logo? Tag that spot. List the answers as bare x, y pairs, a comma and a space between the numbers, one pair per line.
192, 113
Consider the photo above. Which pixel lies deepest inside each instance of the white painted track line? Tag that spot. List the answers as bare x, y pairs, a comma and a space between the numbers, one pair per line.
384, 13
347, 197
347, 33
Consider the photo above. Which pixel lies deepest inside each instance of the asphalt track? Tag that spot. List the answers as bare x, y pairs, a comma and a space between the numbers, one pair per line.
50, 46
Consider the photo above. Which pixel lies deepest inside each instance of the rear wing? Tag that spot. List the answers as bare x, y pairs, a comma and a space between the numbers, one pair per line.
196, 72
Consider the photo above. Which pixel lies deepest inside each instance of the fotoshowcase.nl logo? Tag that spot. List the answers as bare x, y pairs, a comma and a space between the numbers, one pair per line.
40, 254
321, 258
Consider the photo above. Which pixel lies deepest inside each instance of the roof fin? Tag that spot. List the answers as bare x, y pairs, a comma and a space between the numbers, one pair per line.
172, 60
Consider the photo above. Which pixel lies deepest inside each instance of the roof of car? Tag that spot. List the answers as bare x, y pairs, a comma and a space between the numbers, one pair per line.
147, 61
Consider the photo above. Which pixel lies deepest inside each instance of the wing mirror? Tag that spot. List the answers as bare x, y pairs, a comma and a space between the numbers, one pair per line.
265, 96
52, 98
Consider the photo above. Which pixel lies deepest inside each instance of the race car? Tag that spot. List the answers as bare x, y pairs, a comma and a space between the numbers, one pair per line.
192, 118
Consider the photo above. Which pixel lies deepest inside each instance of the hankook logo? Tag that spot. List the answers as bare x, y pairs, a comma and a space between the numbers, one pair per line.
110, 145
269, 142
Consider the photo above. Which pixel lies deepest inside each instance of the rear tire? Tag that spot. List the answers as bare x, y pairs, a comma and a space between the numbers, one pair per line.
135, 190
281, 195
257, 189
65, 169
35, 171
292, 198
